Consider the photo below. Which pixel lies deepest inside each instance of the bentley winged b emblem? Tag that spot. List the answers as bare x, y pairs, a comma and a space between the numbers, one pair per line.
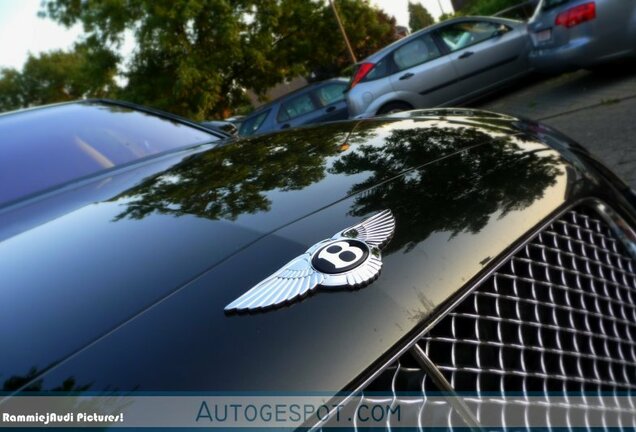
350, 259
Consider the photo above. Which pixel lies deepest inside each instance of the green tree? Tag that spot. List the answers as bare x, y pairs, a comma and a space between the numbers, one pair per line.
86, 71
11, 96
419, 17
368, 29
447, 16
490, 7
197, 57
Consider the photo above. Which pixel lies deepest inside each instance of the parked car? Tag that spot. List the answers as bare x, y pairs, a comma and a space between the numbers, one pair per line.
571, 34
236, 120
315, 103
446, 64
506, 254
225, 127
85, 138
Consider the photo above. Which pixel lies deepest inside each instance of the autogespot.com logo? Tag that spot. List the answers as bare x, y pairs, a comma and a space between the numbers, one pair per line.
280, 414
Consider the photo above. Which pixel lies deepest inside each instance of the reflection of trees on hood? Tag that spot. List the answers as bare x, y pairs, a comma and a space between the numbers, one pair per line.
227, 181
455, 194
29, 382
112, 401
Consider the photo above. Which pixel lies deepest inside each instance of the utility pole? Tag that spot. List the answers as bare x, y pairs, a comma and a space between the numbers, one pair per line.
441, 9
342, 30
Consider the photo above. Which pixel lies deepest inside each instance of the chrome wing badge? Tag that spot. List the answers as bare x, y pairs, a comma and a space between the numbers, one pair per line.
350, 259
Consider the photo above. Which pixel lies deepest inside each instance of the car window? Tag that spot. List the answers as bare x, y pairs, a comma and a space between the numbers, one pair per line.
464, 34
252, 124
380, 70
331, 93
418, 51
49, 146
296, 107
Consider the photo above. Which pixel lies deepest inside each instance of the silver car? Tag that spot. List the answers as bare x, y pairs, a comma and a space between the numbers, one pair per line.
445, 64
571, 34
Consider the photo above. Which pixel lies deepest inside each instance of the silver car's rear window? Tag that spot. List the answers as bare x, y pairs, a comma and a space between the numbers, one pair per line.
50, 146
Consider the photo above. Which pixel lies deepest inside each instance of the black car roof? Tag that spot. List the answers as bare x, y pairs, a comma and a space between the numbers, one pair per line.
54, 145
115, 102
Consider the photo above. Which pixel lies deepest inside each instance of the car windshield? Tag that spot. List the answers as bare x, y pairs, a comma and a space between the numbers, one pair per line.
252, 124
46, 147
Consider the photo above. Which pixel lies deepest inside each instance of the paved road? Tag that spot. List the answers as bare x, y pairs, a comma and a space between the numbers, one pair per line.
596, 109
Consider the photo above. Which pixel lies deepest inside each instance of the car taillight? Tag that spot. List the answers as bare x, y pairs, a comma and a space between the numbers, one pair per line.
576, 15
363, 70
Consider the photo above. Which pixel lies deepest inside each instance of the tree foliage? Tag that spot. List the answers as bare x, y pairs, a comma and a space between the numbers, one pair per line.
419, 17
368, 29
197, 57
86, 71
11, 95
446, 16
487, 7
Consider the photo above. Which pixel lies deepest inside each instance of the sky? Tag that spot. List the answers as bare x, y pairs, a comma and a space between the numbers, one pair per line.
399, 8
22, 32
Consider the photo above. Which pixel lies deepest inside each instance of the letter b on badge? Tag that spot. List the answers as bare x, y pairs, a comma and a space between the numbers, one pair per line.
341, 254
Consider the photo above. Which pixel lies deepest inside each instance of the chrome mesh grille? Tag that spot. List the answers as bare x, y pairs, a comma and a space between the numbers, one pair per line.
557, 316
405, 376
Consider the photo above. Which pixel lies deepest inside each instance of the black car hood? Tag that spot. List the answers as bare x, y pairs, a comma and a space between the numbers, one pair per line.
120, 281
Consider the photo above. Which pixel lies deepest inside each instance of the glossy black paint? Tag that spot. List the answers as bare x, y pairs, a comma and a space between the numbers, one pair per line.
120, 282
44, 147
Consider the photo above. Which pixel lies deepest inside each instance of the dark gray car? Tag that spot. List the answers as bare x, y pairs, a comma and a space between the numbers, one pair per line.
445, 64
571, 34
315, 103
225, 127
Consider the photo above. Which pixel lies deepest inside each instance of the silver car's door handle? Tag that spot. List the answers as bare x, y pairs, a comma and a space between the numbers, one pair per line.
406, 76
466, 54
